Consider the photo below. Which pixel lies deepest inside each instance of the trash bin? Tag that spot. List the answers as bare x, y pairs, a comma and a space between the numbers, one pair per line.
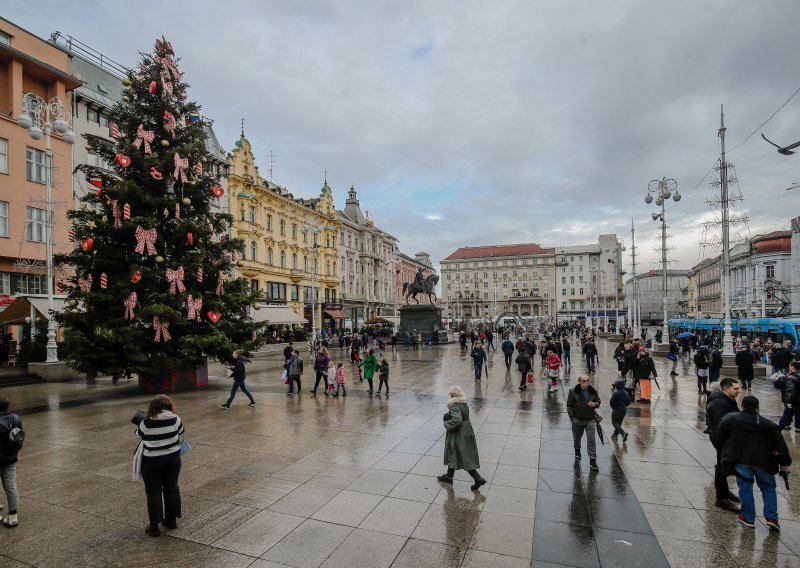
649, 343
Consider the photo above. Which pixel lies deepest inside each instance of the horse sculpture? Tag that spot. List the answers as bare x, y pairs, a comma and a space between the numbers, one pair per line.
411, 289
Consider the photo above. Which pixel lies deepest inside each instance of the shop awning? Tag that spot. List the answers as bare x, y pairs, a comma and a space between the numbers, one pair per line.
336, 314
17, 311
277, 315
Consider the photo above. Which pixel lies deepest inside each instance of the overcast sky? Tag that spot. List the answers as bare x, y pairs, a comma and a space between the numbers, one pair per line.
466, 123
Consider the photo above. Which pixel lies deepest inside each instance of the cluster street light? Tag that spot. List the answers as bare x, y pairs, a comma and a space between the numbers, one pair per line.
663, 191
40, 118
310, 226
615, 261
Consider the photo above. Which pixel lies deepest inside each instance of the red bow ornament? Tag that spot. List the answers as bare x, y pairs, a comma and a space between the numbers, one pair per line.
194, 305
145, 136
129, 303
85, 284
175, 279
181, 165
145, 237
162, 330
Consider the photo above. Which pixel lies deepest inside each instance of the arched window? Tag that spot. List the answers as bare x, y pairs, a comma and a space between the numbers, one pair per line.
269, 256
294, 260
283, 259
253, 250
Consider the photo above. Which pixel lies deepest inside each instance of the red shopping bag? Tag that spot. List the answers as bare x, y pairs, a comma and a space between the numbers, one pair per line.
530, 377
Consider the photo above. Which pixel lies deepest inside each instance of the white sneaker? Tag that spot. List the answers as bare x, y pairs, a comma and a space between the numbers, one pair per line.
11, 521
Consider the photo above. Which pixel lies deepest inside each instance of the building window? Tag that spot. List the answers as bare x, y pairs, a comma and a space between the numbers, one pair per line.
252, 211
283, 258
5, 39
283, 228
770, 271
305, 263
563, 279
276, 291
241, 214
253, 250
3, 218
294, 260
269, 222
563, 291
294, 231
34, 231
103, 120
254, 284
305, 237
563, 305
269, 256
295, 293
92, 115
3, 156
35, 164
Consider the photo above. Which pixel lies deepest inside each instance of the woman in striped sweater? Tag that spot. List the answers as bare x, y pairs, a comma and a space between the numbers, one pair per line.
161, 463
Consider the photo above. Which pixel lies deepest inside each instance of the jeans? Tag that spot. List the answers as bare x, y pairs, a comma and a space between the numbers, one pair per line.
478, 370
8, 475
567, 360
292, 381
786, 417
236, 386
674, 367
590, 363
702, 383
617, 416
160, 478
508, 360
577, 434
746, 475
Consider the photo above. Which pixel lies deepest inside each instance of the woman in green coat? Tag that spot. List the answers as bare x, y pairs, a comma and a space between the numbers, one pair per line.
370, 364
460, 448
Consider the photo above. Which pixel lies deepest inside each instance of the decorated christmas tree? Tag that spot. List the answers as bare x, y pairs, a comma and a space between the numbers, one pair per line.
152, 286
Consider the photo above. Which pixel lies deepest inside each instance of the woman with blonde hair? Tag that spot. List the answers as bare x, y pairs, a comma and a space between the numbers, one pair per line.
460, 448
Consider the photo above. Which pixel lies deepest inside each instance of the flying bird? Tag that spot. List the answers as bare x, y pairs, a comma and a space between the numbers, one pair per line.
785, 150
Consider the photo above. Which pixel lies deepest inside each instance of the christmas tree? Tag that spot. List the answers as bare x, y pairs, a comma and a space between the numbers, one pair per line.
152, 286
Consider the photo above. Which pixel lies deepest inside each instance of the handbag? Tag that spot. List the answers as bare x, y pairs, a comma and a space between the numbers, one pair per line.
138, 417
530, 377
672, 356
186, 447
553, 373
285, 374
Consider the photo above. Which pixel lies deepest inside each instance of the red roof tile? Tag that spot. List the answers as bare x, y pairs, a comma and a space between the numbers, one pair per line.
499, 250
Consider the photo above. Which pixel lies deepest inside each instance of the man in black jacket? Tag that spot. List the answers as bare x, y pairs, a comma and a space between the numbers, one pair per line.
754, 447
721, 403
582, 401
792, 397
238, 375
590, 352
744, 362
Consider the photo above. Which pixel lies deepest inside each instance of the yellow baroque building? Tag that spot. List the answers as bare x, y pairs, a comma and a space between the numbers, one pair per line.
283, 236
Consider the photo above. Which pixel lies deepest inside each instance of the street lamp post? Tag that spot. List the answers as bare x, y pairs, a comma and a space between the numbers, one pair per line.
662, 190
310, 226
40, 117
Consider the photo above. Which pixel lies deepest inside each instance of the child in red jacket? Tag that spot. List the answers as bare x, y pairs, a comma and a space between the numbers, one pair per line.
553, 366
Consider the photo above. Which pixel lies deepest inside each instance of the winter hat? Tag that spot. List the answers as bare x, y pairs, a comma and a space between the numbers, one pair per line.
750, 403
619, 384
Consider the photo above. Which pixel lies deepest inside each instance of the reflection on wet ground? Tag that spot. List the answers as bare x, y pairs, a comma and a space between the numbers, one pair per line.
317, 481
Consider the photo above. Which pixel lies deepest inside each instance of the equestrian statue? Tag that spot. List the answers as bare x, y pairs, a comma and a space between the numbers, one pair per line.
421, 285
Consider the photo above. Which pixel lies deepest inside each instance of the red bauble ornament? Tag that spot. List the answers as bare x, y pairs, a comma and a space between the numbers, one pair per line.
152, 87
190, 238
214, 316
222, 238
136, 276
87, 244
217, 191
123, 160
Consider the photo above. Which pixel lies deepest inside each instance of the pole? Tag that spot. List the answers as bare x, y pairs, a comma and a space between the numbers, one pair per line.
52, 348
664, 329
635, 299
727, 342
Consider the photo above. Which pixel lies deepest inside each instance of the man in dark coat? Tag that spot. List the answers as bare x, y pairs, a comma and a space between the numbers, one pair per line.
478, 359
590, 352
754, 447
508, 350
715, 366
702, 361
524, 366
238, 374
792, 396
582, 401
744, 363
721, 403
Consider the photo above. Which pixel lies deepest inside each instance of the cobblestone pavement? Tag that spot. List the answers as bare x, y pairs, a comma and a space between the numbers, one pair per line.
316, 481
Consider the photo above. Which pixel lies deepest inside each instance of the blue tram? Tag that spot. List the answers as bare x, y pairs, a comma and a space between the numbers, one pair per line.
777, 329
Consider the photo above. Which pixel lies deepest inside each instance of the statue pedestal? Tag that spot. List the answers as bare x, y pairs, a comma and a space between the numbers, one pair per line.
423, 318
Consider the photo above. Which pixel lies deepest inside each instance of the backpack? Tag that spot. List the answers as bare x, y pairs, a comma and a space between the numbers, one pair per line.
15, 437
699, 359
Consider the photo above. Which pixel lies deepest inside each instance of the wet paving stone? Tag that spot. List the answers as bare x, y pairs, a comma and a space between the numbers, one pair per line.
316, 481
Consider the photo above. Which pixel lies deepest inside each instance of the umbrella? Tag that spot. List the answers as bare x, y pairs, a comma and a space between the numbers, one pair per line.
656, 381
685, 334
599, 430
